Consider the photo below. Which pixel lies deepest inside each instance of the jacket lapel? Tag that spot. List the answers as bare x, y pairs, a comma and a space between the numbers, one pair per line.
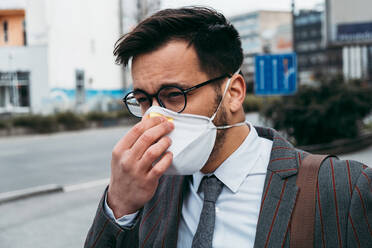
280, 191
174, 191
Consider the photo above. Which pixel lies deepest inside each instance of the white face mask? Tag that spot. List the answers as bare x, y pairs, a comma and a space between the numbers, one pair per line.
193, 138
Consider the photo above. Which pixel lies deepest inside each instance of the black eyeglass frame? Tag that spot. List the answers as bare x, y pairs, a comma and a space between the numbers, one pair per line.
184, 92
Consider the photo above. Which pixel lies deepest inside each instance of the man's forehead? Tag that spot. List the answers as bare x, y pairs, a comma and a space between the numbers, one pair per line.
173, 64
170, 52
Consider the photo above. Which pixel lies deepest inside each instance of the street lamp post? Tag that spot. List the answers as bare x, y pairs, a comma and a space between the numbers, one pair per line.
293, 25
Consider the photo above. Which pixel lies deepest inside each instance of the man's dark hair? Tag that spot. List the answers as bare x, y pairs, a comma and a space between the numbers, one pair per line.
216, 41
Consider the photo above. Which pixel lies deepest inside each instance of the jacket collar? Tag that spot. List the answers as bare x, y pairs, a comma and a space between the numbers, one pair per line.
231, 172
283, 158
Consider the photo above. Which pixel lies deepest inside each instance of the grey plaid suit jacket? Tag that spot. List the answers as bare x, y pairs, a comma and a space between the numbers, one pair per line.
343, 206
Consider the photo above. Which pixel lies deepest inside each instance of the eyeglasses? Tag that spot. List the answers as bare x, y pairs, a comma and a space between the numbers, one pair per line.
170, 97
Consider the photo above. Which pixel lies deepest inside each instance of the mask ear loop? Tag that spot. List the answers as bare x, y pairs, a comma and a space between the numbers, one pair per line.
233, 125
223, 96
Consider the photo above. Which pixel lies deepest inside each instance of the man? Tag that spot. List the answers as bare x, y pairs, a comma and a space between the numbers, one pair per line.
184, 68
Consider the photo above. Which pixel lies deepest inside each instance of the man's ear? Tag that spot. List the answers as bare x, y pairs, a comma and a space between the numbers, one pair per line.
237, 93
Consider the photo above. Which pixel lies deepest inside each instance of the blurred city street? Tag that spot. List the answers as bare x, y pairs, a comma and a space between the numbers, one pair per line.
306, 65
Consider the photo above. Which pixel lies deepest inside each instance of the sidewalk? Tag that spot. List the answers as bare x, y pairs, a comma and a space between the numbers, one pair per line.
54, 220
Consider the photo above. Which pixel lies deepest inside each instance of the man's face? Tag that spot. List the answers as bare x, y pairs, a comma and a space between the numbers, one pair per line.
175, 64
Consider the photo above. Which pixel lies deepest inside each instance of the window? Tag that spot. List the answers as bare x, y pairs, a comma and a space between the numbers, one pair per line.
80, 86
24, 33
23, 96
15, 89
302, 60
2, 96
314, 33
5, 28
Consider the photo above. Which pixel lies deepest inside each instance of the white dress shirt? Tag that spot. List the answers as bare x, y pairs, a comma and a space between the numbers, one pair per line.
237, 207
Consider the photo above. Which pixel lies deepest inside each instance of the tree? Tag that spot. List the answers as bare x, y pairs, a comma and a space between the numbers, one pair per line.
319, 114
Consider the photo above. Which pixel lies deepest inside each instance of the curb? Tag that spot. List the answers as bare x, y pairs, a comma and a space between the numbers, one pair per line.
87, 185
106, 123
11, 196
30, 192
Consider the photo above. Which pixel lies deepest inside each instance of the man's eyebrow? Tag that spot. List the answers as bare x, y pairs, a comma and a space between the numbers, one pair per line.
179, 85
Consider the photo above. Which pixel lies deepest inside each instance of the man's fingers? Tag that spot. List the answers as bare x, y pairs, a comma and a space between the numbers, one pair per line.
132, 136
154, 152
150, 136
160, 167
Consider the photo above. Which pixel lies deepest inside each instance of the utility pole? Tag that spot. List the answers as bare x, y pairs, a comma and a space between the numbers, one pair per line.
327, 23
121, 16
143, 8
146, 7
293, 11
13, 83
124, 70
293, 7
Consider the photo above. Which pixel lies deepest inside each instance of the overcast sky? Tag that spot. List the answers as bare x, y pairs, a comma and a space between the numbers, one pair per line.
233, 7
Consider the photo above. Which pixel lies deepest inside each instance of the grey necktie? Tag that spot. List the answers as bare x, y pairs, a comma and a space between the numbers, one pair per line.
212, 188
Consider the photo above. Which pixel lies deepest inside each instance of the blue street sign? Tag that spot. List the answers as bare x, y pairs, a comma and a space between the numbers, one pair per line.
276, 74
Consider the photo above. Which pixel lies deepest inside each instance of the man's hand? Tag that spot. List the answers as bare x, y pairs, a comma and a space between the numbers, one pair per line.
134, 179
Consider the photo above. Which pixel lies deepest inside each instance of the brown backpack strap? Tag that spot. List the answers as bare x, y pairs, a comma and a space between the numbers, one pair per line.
303, 216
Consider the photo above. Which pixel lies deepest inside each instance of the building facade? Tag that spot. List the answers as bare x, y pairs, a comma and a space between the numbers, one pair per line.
309, 48
262, 32
349, 27
58, 55
315, 59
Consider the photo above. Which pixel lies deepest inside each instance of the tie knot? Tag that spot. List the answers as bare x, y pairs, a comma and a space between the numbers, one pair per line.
212, 188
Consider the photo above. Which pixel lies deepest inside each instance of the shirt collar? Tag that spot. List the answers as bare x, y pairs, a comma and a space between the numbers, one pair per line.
238, 166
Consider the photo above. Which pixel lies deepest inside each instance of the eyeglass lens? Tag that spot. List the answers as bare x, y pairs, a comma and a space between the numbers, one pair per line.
171, 98
137, 103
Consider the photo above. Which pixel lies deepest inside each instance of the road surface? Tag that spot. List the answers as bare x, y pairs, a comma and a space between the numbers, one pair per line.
62, 158
51, 221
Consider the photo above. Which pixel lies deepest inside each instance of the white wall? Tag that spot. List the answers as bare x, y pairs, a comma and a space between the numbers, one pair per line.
12, 4
34, 60
36, 22
82, 36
